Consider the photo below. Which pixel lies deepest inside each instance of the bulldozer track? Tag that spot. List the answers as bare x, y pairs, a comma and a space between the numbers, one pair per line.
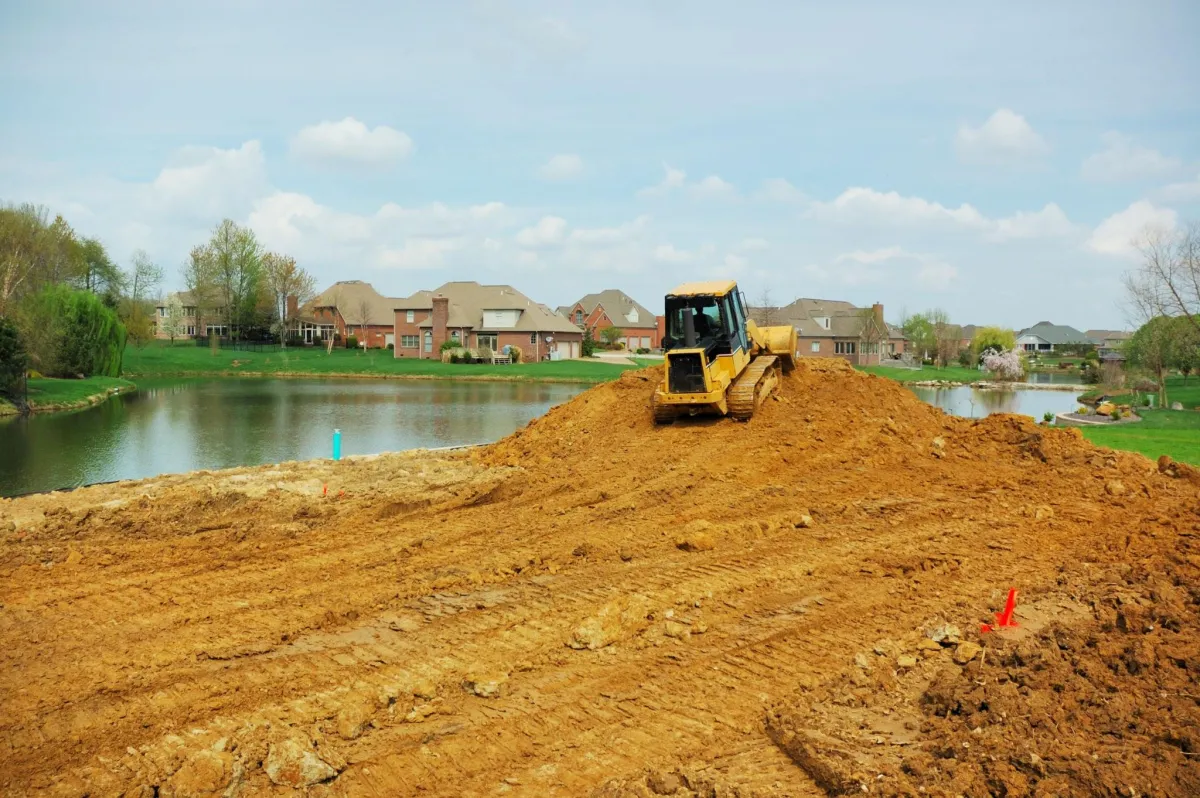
752, 387
663, 413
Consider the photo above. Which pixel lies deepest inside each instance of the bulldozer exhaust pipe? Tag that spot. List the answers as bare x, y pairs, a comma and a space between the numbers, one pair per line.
689, 329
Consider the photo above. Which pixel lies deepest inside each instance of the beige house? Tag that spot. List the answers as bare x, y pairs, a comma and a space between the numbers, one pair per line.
479, 316
835, 328
195, 322
348, 307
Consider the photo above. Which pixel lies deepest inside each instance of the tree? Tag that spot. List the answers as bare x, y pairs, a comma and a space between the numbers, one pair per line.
201, 283
918, 329
14, 360
289, 286
1168, 281
143, 278
362, 311
102, 276
76, 334
765, 305
588, 347
610, 335
871, 337
234, 264
173, 325
35, 253
1153, 348
996, 339
1187, 350
946, 336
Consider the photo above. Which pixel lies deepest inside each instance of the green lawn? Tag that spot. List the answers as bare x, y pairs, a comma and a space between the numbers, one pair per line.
1173, 433
160, 360
1179, 389
46, 392
949, 373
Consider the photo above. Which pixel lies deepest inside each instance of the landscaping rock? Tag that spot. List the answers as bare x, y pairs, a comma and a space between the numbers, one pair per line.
292, 763
1106, 409
1176, 405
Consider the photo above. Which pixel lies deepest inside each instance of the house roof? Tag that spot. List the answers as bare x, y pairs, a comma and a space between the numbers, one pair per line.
1056, 334
1100, 336
351, 298
967, 331
469, 299
845, 320
618, 305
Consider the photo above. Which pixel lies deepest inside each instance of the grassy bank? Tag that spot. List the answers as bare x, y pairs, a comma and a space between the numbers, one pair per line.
1185, 391
191, 360
1173, 433
47, 394
925, 373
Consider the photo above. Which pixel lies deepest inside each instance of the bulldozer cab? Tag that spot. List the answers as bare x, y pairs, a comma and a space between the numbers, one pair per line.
707, 316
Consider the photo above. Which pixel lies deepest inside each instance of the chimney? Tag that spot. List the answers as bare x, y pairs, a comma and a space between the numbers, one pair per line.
439, 318
877, 309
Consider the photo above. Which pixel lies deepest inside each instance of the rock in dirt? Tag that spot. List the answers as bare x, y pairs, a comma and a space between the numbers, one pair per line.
490, 685
74, 558
677, 630
204, 774
615, 620
947, 634
354, 717
1114, 487
292, 763
424, 688
697, 536
661, 783
805, 521
966, 652
906, 661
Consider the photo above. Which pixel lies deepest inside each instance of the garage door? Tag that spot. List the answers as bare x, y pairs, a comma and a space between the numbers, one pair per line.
574, 349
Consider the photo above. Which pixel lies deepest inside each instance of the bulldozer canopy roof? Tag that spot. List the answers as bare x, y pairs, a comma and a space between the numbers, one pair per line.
708, 288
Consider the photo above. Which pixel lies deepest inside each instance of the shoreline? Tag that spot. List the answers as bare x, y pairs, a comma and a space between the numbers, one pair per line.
985, 385
9, 410
349, 375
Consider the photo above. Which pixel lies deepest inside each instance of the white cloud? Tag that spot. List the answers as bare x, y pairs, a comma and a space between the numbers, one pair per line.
1181, 192
417, 253
548, 232
713, 187
1006, 137
561, 167
672, 179
608, 236
1123, 160
873, 256
667, 253
755, 244
936, 274
1049, 222
865, 267
776, 189
736, 264
351, 143
890, 209
1120, 233
860, 204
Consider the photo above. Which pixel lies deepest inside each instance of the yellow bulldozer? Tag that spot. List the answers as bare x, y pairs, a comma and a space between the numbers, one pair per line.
718, 361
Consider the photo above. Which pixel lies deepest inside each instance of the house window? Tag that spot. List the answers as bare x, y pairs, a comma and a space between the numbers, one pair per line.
162, 312
191, 329
579, 318
486, 340
409, 342
219, 329
428, 341
532, 339
454, 335
410, 316
189, 311
816, 346
844, 347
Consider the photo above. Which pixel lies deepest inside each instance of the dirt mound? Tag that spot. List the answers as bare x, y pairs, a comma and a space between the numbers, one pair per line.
599, 604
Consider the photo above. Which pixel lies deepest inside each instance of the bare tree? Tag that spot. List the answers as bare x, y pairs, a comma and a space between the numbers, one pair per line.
946, 336
1168, 281
143, 278
363, 311
288, 285
765, 305
870, 337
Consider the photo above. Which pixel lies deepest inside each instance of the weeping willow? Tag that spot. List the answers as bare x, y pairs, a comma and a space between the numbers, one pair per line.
76, 334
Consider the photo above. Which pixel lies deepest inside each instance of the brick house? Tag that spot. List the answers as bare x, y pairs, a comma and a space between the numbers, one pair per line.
492, 316
348, 307
833, 328
613, 308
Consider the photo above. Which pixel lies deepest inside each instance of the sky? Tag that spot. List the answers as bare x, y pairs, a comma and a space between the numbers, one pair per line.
996, 160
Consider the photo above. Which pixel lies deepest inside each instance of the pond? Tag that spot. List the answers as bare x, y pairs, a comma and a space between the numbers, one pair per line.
973, 403
174, 426
1054, 378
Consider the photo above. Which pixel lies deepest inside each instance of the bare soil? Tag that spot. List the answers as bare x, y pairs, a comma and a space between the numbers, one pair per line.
596, 606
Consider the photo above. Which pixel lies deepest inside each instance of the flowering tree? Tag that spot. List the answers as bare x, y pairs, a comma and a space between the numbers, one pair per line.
1004, 365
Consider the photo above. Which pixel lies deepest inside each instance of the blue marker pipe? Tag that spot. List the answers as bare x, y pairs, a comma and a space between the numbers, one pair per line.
337, 444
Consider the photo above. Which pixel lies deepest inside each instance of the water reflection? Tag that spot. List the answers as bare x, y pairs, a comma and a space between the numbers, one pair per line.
173, 426
973, 403
1053, 378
